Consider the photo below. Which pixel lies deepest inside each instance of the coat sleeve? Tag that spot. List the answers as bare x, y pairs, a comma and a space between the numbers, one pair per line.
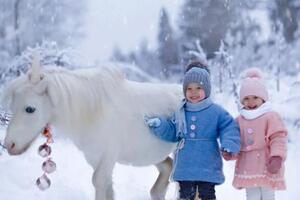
277, 136
167, 130
229, 132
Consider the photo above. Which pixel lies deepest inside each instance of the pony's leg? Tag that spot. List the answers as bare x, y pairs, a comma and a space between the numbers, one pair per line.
159, 189
102, 181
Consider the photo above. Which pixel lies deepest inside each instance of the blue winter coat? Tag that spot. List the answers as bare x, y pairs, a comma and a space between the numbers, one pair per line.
198, 132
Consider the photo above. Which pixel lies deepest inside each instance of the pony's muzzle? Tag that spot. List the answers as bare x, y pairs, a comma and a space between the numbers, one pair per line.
11, 148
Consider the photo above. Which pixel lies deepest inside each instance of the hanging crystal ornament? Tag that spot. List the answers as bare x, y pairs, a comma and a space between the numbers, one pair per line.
44, 150
43, 182
48, 166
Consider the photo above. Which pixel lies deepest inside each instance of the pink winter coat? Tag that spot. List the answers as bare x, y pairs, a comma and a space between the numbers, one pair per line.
261, 138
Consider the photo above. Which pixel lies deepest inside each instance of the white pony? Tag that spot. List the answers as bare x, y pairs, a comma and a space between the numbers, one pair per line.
101, 112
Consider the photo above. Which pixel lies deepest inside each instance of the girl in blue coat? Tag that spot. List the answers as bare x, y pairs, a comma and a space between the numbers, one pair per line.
198, 126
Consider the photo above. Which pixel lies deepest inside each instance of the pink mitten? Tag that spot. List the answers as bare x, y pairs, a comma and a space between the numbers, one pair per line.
274, 164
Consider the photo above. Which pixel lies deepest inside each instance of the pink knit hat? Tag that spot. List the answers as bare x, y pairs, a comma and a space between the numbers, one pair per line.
253, 84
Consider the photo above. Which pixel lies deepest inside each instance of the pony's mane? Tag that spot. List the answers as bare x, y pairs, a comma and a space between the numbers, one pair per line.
80, 92
83, 91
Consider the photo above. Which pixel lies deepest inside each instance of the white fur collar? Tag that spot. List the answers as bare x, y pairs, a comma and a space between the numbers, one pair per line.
252, 114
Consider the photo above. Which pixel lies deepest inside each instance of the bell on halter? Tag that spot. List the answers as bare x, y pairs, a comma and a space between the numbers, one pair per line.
43, 182
44, 150
49, 166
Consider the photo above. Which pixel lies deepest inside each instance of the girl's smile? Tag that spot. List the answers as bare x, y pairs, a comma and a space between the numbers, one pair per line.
194, 93
252, 102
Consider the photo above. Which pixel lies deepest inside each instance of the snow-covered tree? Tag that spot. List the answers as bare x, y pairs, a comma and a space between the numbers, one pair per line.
27, 23
167, 46
7, 34
50, 55
205, 20
143, 56
244, 39
118, 55
226, 76
276, 61
30, 23
195, 53
286, 12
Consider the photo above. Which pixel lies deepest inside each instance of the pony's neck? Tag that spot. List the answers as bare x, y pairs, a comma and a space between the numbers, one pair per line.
83, 95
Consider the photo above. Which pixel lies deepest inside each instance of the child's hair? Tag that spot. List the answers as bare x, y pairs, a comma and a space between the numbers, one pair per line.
253, 84
196, 63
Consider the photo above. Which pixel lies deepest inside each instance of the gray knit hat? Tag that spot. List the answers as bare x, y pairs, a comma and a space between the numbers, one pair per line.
200, 76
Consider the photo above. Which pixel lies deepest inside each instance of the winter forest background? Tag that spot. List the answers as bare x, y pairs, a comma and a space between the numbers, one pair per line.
230, 35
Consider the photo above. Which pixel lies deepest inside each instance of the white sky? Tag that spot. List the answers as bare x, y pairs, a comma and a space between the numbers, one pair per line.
126, 23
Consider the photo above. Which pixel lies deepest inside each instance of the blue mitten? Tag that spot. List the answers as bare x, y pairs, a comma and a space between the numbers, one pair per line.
153, 122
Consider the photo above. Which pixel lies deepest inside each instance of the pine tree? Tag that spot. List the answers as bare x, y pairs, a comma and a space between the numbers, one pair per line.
30, 22
117, 55
224, 60
7, 43
207, 21
167, 46
286, 12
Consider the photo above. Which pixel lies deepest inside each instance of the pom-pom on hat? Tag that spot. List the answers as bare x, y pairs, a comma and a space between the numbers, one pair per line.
253, 84
197, 73
196, 63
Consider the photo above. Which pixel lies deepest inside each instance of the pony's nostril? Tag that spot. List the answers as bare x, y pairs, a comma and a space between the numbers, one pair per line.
12, 145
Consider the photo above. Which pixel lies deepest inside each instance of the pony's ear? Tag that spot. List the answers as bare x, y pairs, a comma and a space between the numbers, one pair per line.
34, 74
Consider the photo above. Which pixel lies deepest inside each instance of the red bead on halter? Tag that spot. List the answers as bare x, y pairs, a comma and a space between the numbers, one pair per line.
47, 133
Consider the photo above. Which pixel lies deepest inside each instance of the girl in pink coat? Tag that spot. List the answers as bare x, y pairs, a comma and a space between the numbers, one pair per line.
260, 163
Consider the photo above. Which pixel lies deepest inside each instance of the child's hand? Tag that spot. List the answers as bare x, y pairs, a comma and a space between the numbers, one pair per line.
227, 155
153, 122
274, 164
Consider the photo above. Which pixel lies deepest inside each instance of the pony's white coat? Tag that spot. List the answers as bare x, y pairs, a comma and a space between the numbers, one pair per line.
101, 112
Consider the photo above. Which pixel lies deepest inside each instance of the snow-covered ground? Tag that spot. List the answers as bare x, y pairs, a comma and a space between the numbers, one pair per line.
72, 180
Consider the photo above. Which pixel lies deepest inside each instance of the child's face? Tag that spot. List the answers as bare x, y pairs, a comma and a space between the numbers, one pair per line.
194, 93
252, 102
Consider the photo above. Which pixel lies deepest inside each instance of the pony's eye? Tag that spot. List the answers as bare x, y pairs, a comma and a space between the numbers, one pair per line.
29, 109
